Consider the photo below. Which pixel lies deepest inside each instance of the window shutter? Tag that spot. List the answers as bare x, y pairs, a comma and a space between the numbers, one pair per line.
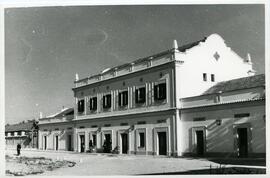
119, 99
155, 92
104, 103
163, 91
142, 94
95, 103
82, 105
109, 100
136, 96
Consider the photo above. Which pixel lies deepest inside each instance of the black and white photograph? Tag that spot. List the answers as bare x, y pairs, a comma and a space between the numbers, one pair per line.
135, 89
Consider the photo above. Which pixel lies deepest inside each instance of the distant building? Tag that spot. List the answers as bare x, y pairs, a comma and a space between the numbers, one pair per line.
24, 133
198, 99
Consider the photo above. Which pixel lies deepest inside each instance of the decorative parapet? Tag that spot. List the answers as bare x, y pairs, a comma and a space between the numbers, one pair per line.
138, 65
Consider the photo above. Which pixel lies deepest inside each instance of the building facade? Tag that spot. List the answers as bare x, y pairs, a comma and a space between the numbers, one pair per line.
148, 106
24, 133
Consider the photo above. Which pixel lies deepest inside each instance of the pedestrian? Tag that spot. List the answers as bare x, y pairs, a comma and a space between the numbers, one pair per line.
19, 149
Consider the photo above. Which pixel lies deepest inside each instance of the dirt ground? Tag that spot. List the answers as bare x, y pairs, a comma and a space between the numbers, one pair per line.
108, 164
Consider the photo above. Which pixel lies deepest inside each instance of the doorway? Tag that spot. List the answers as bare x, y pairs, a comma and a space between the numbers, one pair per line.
200, 142
56, 142
162, 143
82, 140
107, 146
124, 137
45, 142
242, 142
69, 143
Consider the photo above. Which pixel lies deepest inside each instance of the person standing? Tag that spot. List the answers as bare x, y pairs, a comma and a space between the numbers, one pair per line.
18, 149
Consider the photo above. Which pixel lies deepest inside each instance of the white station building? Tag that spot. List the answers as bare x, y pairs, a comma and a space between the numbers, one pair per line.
199, 99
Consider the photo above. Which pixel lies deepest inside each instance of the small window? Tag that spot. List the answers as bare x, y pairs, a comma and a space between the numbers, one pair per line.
160, 91
12, 133
241, 115
56, 129
94, 126
142, 140
212, 77
123, 98
6, 133
93, 103
19, 133
140, 95
204, 77
81, 106
45, 130
107, 125
124, 124
81, 127
107, 101
199, 119
141, 122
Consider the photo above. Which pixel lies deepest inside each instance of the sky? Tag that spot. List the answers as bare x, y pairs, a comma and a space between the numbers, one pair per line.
46, 46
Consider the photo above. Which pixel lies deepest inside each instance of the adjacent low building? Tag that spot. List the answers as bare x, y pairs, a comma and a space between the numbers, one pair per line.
24, 133
198, 99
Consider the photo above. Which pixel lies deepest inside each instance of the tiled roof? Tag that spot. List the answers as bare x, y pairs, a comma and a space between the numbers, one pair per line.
19, 127
237, 84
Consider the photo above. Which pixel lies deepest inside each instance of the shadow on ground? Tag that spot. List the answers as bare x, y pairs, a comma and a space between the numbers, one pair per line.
240, 161
222, 170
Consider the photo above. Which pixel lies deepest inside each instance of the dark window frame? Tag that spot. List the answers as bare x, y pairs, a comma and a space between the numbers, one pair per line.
93, 103
81, 105
107, 101
160, 91
204, 77
123, 98
140, 95
212, 77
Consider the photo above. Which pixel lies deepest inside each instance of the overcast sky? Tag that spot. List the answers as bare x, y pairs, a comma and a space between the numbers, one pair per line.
46, 46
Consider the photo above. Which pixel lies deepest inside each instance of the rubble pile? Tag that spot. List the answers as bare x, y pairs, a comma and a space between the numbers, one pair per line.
21, 166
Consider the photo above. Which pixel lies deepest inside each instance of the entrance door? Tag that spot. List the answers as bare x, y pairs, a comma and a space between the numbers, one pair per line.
56, 142
69, 142
242, 142
82, 142
200, 142
162, 143
107, 146
124, 138
45, 142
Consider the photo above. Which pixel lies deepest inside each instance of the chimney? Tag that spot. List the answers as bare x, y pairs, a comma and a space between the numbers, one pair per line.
248, 59
40, 115
175, 45
76, 77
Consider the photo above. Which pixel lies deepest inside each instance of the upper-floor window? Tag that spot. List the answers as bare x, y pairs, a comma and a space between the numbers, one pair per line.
123, 98
204, 77
160, 91
142, 139
12, 133
93, 103
6, 134
107, 101
212, 77
81, 106
19, 133
140, 95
